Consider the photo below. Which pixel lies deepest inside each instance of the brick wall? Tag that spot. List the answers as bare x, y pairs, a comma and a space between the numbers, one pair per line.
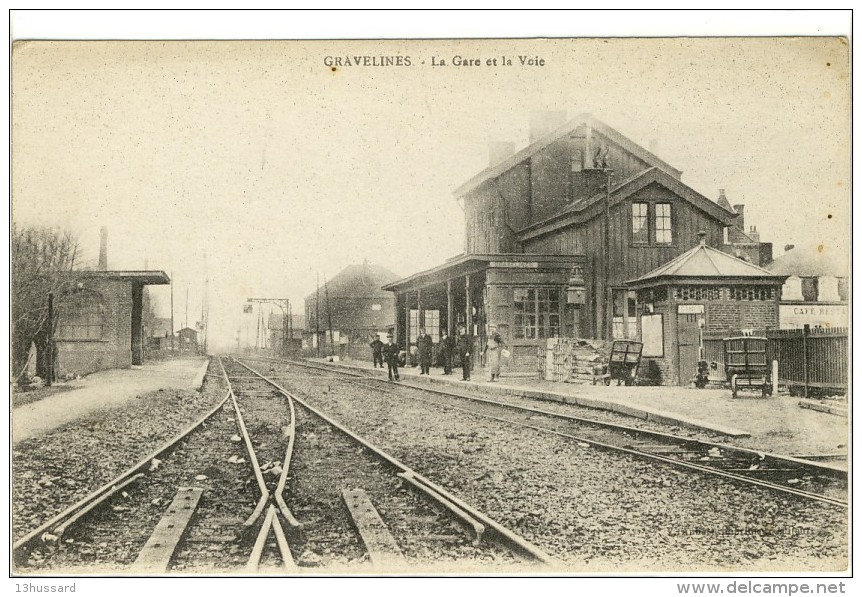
736, 315
114, 349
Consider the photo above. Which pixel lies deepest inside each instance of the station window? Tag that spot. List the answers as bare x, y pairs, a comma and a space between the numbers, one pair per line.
81, 317
432, 324
640, 226
537, 313
663, 225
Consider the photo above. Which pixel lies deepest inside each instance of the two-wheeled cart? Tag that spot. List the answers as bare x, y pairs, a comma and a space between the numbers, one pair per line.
623, 362
746, 364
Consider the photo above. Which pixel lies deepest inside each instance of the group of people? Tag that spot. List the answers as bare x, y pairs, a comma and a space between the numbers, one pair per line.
460, 346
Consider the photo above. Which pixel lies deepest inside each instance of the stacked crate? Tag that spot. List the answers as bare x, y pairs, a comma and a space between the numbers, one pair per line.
572, 360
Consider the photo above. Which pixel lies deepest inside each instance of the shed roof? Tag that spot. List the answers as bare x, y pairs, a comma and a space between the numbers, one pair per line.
142, 276
705, 262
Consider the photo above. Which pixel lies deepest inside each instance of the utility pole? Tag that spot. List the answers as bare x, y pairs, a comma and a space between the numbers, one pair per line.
609, 293
329, 317
172, 312
317, 315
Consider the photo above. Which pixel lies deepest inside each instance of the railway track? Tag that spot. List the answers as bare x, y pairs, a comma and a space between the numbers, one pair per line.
222, 496
817, 481
189, 506
398, 514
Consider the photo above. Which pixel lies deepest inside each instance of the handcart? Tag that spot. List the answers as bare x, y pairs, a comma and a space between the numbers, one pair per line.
746, 364
625, 358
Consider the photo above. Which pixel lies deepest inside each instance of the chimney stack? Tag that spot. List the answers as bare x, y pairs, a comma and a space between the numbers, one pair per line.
753, 234
103, 249
740, 219
499, 151
544, 123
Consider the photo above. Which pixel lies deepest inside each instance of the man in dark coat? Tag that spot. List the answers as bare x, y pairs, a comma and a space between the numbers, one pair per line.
465, 345
390, 352
377, 351
424, 344
447, 346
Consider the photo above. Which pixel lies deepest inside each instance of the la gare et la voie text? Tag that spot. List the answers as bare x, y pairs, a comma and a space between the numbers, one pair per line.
456, 60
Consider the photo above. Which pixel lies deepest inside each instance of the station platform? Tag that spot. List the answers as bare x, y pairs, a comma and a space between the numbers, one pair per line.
102, 390
777, 424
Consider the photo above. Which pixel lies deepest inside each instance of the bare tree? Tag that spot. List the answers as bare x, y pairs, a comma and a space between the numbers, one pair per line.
41, 261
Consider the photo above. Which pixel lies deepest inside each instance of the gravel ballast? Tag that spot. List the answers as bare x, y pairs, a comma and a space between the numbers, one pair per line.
595, 511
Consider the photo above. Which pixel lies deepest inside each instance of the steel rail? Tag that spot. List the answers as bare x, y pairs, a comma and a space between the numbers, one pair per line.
86, 504
514, 541
814, 467
258, 474
60, 530
651, 456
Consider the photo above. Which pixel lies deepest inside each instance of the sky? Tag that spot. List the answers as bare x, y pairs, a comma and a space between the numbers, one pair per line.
258, 167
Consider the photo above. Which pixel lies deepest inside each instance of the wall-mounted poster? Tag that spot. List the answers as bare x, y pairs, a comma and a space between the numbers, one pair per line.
652, 333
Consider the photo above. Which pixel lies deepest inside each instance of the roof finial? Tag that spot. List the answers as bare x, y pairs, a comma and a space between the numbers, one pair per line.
702, 235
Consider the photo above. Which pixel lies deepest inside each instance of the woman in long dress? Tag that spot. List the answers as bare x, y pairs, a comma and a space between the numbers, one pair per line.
493, 348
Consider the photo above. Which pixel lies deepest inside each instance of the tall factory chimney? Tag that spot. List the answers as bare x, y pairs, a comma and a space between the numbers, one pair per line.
103, 249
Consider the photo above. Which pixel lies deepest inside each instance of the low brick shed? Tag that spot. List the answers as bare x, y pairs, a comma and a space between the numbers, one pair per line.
702, 291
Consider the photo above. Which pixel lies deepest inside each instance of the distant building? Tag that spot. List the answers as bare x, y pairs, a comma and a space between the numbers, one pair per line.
275, 326
158, 335
187, 340
741, 243
357, 306
817, 288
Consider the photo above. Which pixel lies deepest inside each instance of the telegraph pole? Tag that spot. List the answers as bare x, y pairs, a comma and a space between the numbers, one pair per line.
317, 315
173, 330
609, 293
329, 317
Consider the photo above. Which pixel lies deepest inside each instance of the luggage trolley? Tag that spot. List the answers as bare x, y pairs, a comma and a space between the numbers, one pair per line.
746, 364
624, 361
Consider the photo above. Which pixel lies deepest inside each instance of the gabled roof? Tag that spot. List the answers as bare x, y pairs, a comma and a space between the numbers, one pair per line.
357, 281
571, 126
815, 261
578, 212
705, 262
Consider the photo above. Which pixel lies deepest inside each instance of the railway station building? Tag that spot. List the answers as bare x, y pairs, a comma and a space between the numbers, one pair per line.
555, 233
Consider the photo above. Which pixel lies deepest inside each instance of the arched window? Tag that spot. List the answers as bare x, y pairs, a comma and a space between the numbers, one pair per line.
82, 316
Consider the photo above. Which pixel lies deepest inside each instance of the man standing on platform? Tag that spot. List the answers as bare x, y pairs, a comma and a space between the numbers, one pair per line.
377, 351
447, 346
425, 345
390, 352
465, 345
